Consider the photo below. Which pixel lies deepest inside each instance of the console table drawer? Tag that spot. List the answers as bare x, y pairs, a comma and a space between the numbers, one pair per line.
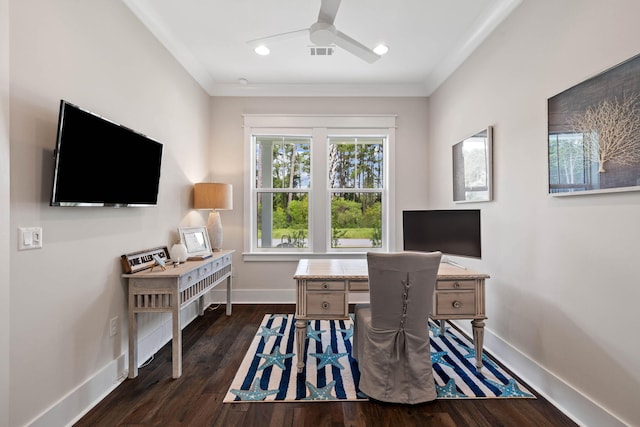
326, 304
189, 279
325, 285
455, 303
454, 285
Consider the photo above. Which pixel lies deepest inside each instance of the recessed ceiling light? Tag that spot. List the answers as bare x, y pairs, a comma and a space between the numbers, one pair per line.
262, 50
381, 49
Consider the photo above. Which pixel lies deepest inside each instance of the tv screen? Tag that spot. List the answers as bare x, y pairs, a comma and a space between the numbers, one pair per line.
452, 232
101, 163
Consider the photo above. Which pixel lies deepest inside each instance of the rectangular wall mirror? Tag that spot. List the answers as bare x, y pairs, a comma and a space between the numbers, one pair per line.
472, 168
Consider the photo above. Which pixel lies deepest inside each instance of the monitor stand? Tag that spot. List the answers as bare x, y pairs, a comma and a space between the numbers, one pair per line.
446, 260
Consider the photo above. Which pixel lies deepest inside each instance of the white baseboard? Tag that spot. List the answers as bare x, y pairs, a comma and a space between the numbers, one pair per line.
570, 401
79, 401
68, 410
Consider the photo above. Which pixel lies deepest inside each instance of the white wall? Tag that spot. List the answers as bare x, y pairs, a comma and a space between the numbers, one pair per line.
268, 281
564, 289
4, 212
97, 55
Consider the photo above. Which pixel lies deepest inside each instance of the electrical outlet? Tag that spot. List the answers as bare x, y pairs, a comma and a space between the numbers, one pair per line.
113, 326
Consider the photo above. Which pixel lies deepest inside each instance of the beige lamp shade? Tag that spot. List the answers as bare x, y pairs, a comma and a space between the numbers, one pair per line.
212, 195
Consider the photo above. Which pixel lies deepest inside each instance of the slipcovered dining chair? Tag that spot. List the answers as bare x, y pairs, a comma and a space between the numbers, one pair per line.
391, 334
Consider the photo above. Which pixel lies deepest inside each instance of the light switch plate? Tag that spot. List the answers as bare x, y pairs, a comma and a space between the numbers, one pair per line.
29, 238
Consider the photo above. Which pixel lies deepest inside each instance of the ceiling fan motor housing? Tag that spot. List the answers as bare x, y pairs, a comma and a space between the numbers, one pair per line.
322, 33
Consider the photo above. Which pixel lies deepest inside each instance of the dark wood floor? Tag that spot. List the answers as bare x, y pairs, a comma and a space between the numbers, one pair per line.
213, 347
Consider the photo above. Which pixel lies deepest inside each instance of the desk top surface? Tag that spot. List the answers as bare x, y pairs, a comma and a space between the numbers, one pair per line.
356, 269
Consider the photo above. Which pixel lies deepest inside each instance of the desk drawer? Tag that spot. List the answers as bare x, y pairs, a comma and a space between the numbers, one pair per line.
326, 304
455, 285
455, 303
323, 285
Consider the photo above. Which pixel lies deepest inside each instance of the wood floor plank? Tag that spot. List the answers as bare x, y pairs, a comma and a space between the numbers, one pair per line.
213, 348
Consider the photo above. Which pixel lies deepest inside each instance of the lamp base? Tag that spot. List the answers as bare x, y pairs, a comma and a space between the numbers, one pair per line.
214, 228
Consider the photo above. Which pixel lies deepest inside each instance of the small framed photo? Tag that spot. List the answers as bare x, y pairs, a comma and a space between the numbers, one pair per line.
196, 240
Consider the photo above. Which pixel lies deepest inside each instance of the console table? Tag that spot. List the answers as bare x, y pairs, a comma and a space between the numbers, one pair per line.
323, 287
171, 290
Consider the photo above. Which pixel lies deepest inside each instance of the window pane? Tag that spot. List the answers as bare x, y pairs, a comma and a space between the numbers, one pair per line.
356, 220
356, 162
282, 162
282, 220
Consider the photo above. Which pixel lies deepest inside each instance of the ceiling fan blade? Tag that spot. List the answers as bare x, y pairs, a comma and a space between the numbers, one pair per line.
328, 11
278, 37
355, 47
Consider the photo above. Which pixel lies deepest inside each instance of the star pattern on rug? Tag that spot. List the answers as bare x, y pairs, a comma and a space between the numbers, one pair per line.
435, 329
275, 358
255, 393
314, 334
449, 389
348, 333
320, 393
276, 316
437, 357
329, 358
471, 354
267, 333
510, 389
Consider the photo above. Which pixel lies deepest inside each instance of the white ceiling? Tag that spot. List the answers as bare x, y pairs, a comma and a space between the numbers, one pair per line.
428, 40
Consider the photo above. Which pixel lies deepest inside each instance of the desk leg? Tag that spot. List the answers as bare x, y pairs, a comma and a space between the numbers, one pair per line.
176, 344
133, 345
229, 295
478, 338
301, 336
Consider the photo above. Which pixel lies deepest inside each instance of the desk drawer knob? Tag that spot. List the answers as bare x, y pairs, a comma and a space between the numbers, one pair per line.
456, 304
325, 286
325, 305
456, 285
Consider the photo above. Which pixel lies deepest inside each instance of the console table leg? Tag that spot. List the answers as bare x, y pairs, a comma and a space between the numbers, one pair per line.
176, 344
229, 295
478, 338
301, 336
133, 347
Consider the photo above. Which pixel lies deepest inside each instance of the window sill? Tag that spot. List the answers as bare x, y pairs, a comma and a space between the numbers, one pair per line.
296, 256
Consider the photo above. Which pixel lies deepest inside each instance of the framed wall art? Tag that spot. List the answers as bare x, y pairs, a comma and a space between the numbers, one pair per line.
473, 168
196, 240
594, 134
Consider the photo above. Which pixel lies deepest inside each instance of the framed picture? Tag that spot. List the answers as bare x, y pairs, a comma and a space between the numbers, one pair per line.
142, 260
594, 134
196, 240
473, 168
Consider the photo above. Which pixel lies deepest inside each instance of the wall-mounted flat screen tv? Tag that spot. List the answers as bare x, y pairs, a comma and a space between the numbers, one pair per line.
101, 163
452, 232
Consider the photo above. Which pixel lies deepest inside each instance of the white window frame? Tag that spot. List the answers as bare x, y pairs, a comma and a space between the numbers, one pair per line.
319, 127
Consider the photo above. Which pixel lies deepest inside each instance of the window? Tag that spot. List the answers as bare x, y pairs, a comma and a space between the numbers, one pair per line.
318, 184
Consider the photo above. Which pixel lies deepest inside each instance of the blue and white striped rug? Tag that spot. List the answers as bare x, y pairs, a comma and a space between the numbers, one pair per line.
268, 371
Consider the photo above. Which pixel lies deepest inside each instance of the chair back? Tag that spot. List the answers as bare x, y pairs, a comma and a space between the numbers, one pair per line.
401, 287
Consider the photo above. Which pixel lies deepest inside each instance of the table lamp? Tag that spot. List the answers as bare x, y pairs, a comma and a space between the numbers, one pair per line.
213, 196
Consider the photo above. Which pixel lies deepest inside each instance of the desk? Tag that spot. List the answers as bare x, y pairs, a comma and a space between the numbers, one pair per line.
171, 290
323, 287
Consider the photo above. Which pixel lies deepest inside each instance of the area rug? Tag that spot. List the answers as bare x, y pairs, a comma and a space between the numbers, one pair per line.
268, 371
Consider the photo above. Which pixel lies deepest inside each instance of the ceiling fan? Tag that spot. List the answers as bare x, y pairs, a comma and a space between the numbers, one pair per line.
324, 33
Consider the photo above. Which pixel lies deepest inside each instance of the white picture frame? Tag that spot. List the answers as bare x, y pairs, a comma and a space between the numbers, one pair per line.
196, 240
